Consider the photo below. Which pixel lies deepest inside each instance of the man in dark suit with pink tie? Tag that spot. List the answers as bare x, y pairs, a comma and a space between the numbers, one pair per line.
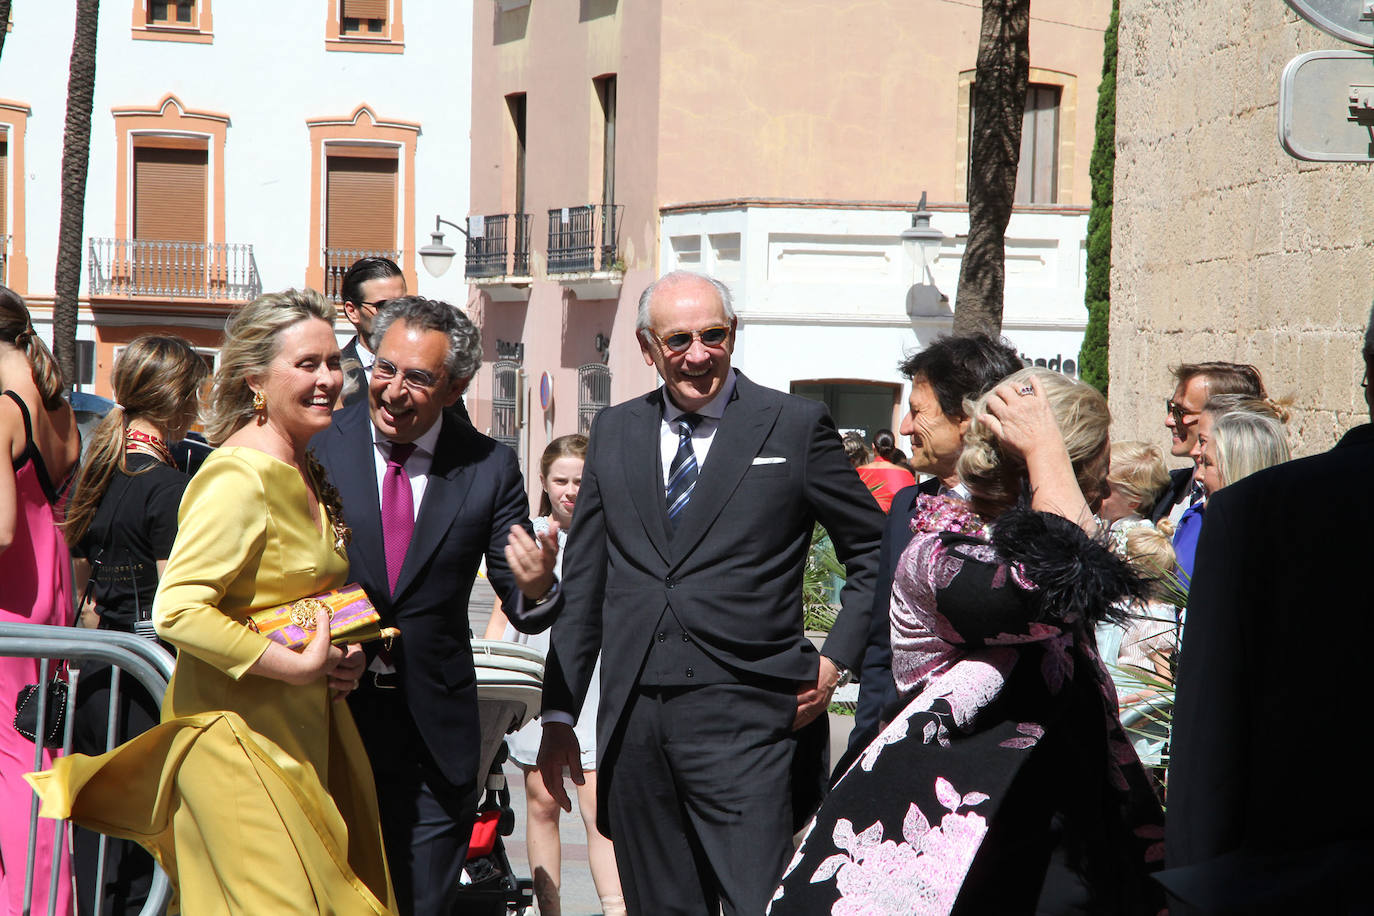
427, 498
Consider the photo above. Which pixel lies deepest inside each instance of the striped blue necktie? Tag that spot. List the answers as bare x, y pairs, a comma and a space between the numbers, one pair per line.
682, 474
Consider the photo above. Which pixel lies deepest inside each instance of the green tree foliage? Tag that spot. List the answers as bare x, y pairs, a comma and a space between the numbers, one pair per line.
1093, 358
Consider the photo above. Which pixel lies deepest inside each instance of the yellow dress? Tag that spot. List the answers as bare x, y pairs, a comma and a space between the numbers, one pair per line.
254, 795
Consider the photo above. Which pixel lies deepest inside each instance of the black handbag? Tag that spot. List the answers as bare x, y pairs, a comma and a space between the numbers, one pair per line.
26, 710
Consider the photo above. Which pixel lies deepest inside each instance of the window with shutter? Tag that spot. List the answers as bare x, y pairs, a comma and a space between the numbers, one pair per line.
169, 218
362, 18
1037, 172
171, 13
360, 212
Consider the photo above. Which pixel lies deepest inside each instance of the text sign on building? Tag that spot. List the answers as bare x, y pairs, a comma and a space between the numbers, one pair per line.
1348, 20
1326, 106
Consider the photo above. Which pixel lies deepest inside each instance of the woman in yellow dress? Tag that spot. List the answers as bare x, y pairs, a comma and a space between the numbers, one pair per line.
254, 793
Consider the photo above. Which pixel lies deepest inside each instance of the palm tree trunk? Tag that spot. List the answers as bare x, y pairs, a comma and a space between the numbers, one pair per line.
1000, 84
4, 23
76, 154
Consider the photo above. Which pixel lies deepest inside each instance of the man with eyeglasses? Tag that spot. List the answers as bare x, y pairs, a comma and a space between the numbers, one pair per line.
427, 498
366, 286
1281, 566
684, 570
1195, 384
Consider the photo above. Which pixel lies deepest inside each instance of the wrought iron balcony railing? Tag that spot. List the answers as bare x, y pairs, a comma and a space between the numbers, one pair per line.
487, 253
584, 239
338, 260
173, 270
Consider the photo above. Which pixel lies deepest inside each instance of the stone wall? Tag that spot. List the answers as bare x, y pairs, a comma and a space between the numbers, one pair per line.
1224, 247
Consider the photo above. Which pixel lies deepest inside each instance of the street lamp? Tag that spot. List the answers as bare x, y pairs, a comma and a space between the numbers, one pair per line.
921, 244
436, 256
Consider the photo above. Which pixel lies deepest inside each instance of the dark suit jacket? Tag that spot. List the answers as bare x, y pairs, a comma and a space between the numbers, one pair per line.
354, 372
1180, 485
732, 572
877, 689
473, 496
1269, 806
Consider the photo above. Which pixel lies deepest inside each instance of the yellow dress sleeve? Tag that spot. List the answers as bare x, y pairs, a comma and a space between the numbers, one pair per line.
222, 530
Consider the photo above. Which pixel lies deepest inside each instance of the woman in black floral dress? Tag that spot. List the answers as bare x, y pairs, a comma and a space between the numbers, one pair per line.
1006, 785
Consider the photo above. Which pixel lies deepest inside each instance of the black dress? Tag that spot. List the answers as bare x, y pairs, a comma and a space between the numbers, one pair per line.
1006, 785
134, 527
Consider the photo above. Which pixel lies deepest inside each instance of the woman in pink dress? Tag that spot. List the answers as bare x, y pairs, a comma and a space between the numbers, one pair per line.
38, 430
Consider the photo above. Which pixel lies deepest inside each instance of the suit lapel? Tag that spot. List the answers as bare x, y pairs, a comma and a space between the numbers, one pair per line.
354, 473
445, 491
644, 477
742, 431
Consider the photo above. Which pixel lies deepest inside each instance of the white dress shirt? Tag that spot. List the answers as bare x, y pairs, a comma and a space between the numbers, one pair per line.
702, 436
417, 465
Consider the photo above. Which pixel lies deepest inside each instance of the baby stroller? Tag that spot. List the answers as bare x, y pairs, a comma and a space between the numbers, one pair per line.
509, 683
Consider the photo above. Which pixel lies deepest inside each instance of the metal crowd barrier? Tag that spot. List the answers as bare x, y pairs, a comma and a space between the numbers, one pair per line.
147, 662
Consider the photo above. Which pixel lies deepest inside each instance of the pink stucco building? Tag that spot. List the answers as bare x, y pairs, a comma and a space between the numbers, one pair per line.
780, 147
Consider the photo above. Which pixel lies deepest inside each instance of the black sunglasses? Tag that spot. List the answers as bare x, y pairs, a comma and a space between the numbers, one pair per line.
1178, 411
680, 341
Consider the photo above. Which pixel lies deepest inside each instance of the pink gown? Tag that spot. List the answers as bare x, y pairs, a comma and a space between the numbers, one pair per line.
35, 587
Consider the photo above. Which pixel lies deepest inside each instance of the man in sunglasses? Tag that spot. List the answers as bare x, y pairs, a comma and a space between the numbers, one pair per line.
684, 570
367, 285
1195, 384
428, 498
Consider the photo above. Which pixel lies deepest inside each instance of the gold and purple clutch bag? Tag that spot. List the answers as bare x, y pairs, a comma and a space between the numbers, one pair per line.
352, 618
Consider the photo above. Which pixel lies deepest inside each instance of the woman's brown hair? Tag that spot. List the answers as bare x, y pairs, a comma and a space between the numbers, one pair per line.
17, 328
157, 379
573, 446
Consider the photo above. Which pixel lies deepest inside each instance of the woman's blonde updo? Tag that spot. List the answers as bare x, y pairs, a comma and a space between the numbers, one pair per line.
994, 476
250, 344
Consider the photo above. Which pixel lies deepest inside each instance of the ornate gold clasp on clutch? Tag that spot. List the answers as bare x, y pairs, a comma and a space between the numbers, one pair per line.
304, 612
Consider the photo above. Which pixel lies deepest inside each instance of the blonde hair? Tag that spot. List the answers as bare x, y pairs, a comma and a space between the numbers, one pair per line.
1138, 470
16, 327
155, 378
1221, 404
1150, 549
250, 345
994, 476
1247, 442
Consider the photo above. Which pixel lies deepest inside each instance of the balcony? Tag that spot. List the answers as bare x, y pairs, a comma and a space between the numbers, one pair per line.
152, 269
584, 250
496, 263
338, 260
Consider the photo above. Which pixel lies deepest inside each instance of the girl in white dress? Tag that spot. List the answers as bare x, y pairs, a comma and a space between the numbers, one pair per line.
560, 473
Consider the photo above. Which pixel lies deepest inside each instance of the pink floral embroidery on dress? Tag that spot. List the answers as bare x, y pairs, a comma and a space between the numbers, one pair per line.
917, 876
1031, 734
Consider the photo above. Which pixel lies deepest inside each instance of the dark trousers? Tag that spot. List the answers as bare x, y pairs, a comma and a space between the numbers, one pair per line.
426, 820
701, 801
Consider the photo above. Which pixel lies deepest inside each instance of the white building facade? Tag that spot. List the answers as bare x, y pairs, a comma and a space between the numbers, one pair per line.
250, 147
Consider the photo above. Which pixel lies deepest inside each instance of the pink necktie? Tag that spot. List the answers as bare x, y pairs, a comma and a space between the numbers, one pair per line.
398, 510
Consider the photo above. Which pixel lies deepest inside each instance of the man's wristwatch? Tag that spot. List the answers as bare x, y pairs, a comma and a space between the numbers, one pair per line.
845, 674
547, 596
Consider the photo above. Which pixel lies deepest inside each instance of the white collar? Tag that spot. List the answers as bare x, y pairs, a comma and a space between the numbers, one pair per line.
426, 443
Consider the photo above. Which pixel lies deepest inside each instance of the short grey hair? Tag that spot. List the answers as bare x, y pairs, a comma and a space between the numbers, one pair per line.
464, 339
678, 276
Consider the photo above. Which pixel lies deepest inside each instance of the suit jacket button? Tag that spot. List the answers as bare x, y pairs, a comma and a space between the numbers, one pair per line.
662, 637
691, 672
670, 582
685, 638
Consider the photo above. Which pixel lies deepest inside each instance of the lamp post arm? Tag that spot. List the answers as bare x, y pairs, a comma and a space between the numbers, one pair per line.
440, 221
